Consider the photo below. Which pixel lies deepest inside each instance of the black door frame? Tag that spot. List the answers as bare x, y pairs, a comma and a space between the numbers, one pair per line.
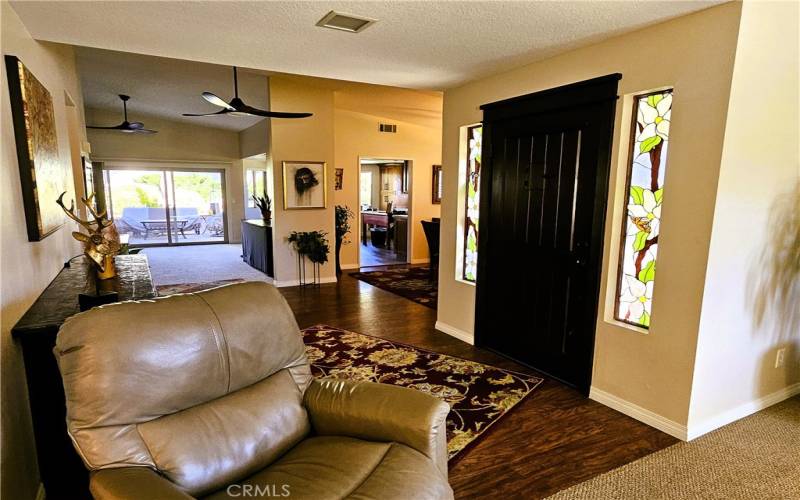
597, 91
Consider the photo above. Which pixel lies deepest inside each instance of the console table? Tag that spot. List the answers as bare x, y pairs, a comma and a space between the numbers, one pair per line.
257, 245
61, 469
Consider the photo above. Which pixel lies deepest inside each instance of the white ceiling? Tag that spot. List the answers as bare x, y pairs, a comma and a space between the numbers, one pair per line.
433, 44
165, 87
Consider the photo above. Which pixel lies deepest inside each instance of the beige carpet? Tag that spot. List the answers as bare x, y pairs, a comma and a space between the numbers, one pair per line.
754, 458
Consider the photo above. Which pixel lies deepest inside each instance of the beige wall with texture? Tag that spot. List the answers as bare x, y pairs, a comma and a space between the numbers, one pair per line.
26, 268
694, 54
751, 303
306, 139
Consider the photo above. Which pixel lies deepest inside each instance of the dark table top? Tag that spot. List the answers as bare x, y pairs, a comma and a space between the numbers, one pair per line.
60, 299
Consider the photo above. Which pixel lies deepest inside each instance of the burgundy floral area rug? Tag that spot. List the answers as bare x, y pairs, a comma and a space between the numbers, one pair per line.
411, 283
164, 290
479, 395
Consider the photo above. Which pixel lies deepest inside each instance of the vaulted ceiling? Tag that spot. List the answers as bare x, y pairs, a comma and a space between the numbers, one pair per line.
166, 88
431, 45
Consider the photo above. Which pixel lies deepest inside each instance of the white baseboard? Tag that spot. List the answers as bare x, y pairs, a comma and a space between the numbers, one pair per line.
40, 493
455, 332
641, 414
419, 261
281, 284
741, 411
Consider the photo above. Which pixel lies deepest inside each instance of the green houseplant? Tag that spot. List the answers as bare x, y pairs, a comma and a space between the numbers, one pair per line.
311, 244
265, 205
343, 216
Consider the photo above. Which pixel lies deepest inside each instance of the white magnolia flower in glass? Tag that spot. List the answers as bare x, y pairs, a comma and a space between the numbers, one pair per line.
636, 299
475, 145
646, 216
654, 117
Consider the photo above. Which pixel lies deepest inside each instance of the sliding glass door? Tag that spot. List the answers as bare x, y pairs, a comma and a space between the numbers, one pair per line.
157, 206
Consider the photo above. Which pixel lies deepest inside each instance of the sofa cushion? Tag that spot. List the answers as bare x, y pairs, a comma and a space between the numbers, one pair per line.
213, 444
334, 467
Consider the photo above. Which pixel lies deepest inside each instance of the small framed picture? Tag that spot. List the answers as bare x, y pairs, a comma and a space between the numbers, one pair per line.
436, 185
304, 185
337, 181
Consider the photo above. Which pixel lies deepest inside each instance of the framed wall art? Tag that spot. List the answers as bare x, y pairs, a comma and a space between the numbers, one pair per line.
436, 184
43, 175
304, 185
338, 179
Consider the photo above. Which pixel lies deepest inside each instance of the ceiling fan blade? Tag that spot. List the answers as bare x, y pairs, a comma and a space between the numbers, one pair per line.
121, 126
220, 112
217, 101
270, 114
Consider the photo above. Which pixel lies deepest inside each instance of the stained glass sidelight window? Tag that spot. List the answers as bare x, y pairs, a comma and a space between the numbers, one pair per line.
645, 188
474, 135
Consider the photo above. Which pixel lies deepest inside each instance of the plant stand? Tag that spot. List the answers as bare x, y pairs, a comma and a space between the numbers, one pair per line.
301, 272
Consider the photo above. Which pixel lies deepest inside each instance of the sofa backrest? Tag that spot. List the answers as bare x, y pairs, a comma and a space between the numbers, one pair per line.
206, 388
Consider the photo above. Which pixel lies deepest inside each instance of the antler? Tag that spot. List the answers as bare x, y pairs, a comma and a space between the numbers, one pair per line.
100, 218
71, 212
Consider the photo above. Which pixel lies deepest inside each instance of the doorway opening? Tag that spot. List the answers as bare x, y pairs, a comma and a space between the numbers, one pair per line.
158, 206
384, 189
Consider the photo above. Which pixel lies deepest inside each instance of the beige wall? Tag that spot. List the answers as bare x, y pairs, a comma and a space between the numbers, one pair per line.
254, 140
27, 267
751, 303
176, 144
359, 111
693, 54
307, 139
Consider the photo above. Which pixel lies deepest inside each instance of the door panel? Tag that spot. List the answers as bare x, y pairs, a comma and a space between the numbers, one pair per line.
538, 265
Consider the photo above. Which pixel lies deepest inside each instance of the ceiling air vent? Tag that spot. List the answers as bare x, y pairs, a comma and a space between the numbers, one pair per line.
345, 22
388, 127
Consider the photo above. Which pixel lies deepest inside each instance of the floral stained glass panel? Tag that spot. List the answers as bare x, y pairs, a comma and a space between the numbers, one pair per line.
650, 140
473, 201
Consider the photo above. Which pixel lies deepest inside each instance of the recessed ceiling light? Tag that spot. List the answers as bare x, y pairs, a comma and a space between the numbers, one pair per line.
345, 22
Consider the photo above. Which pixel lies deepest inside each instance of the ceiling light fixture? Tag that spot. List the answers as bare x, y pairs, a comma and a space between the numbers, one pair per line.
345, 22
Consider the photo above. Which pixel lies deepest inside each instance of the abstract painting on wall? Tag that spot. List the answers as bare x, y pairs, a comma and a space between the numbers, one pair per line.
43, 175
304, 185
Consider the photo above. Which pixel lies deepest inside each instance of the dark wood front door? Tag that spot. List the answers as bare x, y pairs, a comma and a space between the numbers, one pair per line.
544, 185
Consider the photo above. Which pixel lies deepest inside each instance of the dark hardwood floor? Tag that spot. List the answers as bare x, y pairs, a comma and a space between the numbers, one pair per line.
553, 439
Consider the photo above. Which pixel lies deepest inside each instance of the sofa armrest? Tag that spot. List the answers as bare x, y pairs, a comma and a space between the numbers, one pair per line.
380, 412
133, 483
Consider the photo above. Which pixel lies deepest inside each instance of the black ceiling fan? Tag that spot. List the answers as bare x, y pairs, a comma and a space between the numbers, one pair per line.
126, 126
237, 107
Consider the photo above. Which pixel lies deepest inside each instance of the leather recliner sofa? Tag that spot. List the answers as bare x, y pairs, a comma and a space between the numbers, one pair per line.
210, 395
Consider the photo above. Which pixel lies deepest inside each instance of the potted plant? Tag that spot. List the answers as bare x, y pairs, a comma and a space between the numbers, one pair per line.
311, 244
343, 216
265, 205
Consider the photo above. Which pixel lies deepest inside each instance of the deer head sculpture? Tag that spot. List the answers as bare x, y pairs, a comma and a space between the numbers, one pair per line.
102, 242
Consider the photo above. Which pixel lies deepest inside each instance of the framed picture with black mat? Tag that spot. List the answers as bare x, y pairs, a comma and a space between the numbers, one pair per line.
304, 185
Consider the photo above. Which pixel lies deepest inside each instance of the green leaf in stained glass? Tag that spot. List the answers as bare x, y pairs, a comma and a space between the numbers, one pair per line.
637, 193
659, 194
654, 99
472, 243
639, 241
645, 319
648, 144
648, 273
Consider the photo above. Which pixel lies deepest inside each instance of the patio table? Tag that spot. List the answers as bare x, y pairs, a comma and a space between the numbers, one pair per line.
177, 225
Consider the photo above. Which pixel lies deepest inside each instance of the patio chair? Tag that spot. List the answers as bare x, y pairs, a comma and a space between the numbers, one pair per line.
125, 225
215, 226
